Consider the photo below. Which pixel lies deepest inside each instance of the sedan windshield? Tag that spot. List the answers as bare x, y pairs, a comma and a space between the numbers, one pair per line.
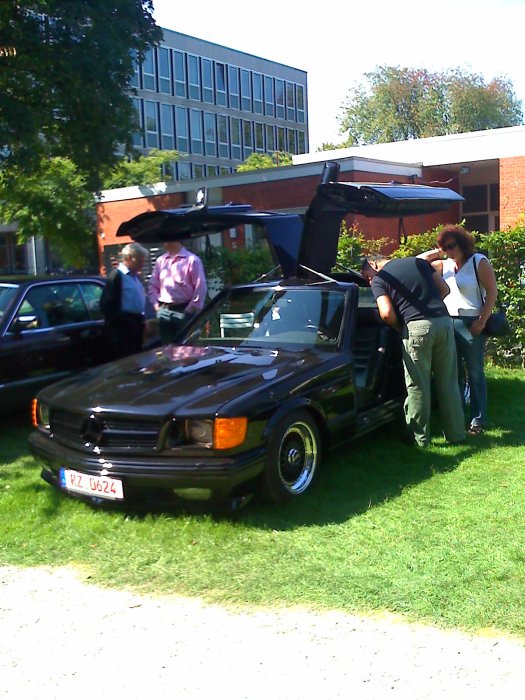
274, 318
7, 292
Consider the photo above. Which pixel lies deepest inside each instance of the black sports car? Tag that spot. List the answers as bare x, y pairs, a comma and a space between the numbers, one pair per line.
268, 376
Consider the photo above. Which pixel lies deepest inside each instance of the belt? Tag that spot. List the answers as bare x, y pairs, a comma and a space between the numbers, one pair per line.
171, 306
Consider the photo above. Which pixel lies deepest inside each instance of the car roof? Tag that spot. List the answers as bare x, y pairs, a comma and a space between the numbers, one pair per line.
26, 280
298, 243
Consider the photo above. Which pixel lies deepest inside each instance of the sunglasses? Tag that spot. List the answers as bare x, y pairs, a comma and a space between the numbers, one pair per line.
449, 246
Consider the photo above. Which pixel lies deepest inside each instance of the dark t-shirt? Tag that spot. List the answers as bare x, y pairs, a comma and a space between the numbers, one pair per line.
408, 282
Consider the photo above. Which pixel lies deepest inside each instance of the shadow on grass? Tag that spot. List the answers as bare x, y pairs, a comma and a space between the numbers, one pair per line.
353, 479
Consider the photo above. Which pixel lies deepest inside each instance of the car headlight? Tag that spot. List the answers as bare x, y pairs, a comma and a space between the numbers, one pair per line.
40, 414
201, 432
221, 433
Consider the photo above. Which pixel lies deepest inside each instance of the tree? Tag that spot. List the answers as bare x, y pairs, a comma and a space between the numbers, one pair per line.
55, 202
143, 170
397, 104
260, 161
66, 92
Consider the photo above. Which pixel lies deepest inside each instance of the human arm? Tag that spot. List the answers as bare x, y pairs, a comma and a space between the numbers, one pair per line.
200, 288
387, 311
487, 280
154, 286
434, 257
441, 285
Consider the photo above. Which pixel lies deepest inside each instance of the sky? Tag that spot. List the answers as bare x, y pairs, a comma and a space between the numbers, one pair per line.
336, 43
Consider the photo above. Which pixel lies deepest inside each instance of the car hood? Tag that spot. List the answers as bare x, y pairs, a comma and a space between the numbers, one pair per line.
171, 379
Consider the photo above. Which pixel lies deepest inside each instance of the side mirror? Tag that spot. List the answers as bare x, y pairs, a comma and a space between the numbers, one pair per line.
26, 322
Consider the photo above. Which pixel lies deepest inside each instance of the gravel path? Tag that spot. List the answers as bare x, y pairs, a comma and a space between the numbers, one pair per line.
61, 637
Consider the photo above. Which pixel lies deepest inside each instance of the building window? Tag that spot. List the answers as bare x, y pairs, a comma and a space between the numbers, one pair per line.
259, 137
138, 136
164, 70
281, 140
152, 128
179, 69
148, 71
181, 123
196, 131
222, 128
290, 102
134, 80
301, 115
236, 138
481, 207
292, 145
279, 98
194, 80
166, 127
269, 107
212, 171
184, 170
301, 142
246, 91
224, 170
207, 80
210, 134
220, 84
233, 80
257, 93
247, 137
198, 171
270, 138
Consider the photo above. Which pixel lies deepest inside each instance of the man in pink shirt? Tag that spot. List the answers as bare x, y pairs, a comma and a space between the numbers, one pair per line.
177, 289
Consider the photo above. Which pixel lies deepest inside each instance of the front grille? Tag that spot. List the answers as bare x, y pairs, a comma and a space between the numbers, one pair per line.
114, 432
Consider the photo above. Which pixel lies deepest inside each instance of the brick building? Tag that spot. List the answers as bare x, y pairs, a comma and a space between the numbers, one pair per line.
486, 167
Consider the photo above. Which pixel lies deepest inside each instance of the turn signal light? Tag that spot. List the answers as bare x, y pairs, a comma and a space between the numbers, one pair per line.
229, 432
34, 418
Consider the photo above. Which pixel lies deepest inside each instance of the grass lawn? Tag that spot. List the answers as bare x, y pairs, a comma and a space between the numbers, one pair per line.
436, 535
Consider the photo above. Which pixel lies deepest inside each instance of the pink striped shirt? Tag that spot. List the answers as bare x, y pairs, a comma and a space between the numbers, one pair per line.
178, 279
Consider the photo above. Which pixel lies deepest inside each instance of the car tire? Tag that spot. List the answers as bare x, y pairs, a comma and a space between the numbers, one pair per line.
293, 457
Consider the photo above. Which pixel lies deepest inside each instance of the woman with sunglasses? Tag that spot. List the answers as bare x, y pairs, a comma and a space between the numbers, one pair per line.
469, 304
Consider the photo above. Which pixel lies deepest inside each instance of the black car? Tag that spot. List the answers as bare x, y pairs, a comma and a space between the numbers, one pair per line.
268, 377
49, 327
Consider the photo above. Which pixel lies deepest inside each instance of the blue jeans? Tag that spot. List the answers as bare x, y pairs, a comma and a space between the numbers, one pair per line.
471, 366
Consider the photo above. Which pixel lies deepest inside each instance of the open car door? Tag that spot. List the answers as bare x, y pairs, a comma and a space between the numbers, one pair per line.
298, 245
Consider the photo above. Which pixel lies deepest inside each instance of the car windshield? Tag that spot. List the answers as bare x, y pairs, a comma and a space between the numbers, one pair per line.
7, 292
275, 318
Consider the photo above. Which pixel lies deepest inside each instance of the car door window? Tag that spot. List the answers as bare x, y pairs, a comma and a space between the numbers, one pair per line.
91, 292
30, 316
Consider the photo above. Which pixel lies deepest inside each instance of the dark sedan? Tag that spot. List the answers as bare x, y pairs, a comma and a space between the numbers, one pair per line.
268, 377
49, 327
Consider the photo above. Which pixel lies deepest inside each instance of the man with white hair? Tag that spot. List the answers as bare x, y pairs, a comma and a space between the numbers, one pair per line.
123, 302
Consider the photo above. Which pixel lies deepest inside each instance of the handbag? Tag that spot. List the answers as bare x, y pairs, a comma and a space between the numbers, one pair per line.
497, 324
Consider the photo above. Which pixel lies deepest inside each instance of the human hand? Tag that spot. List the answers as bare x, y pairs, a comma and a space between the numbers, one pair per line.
476, 328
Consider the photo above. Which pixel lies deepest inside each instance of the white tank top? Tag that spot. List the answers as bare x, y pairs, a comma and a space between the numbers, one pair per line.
465, 296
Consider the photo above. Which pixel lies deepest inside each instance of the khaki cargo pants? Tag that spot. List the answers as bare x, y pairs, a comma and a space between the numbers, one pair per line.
429, 349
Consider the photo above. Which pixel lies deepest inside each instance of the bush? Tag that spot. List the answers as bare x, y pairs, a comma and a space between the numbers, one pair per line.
353, 246
238, 266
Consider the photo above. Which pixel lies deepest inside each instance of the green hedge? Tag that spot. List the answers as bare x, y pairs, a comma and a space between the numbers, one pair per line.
506, 251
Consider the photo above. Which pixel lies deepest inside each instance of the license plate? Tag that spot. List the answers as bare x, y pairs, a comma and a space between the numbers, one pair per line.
100, 486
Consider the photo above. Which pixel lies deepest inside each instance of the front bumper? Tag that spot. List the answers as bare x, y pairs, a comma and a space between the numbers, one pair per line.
158, 478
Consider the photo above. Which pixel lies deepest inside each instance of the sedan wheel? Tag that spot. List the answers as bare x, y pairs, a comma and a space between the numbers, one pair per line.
294, 454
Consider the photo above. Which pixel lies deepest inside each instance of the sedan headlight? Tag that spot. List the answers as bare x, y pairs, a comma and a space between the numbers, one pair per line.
201, 432
40, 414
221, 433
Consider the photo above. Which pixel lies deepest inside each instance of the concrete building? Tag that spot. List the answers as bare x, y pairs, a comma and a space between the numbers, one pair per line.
212, 104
